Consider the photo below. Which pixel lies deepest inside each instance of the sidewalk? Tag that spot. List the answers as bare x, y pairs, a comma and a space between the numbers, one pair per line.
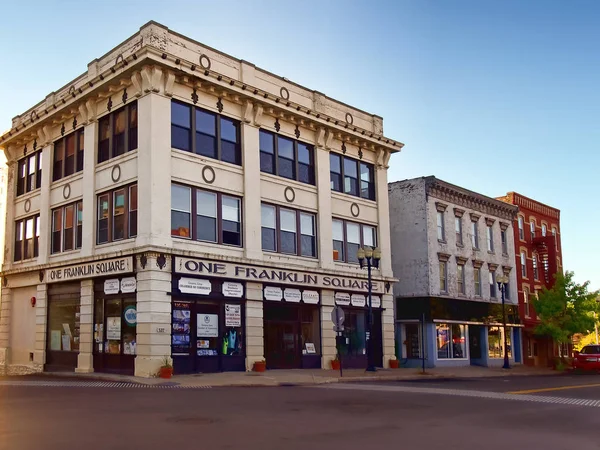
307, 377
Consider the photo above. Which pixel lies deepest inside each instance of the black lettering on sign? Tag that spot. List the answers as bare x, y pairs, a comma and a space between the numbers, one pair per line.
192, 266
220, 269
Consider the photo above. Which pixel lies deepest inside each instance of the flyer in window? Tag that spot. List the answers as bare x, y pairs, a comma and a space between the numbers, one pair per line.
113, 328
55, 340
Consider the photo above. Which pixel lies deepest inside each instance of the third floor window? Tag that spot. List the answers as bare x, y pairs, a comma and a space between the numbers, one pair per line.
68, 155
118, 132
27, 238
67, 227
286, 157
352, 177
117, 214
348, 237
29, 173
288, 231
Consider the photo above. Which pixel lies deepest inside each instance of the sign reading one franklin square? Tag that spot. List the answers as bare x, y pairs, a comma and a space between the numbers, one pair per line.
93, 269
193, 266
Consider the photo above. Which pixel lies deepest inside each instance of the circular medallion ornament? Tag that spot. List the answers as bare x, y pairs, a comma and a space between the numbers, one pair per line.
284, 93
66, 191
205, 62
354, 210
349, 118
115, 173
289, 194
27, 205
208, 174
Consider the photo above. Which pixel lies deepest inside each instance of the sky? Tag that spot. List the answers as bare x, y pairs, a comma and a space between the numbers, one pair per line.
494, 96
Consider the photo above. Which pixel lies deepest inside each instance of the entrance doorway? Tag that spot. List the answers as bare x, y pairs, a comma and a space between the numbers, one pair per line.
281, 345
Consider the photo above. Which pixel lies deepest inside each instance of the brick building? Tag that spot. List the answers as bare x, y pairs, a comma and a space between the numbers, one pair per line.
538, 258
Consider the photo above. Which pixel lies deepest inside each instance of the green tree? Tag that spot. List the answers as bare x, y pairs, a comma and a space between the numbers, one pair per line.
566, 309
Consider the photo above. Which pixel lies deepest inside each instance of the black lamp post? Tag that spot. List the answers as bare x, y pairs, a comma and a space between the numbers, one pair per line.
369, 258
502, 283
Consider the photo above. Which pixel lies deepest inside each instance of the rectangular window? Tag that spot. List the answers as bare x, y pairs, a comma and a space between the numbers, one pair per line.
460, 278
116, 217
29, 173
348, 237
217, 217
523, 265
79, 225
443, 277
286, 157
504, 242
440, 226
451, 341
67, 228
288, 231
521, 228
344, 176
536, 275
496, 342
555, 238
458, 228
477, 280
507, 288
205, 133
117, 132
490, 238
27, 233
544, 229
492, 284
526, 302
475, 235
532, 227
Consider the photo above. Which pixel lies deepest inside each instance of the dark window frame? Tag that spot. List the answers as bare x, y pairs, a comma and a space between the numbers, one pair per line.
129, 234
296, 162
219, 219
362, 238
79, 153
371, 167
298, 233
77, 232
24, 180
192, 144
22, 243
130, 132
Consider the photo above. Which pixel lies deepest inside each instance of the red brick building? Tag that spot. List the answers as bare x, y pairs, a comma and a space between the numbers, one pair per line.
538, 258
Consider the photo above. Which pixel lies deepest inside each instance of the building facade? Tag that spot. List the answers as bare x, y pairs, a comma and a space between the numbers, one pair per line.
449, 245
538, 258
176, 201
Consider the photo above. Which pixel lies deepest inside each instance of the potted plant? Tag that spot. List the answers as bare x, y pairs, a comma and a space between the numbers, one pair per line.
166, 368
260, 366
335, 364
394, 363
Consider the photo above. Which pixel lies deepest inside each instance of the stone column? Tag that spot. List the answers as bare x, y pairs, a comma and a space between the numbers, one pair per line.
5, 312
324, 203
328, 349
45, 219
252, 212
388, 332
153, 312
85, 360
89, 189
255, 343
383, 211
41, 318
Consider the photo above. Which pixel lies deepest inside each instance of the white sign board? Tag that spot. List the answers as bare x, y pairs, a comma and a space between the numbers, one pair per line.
358, 300
292, 295
273, 293
194, 286
113, 328
310, 297
207, 325
231, 289
233, 315
376, 301
128, 285
112, 286
342, 298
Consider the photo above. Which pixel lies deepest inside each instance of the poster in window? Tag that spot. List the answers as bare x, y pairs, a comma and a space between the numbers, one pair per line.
181, 328
113, 328
55, 340
233, 316
310, 348
207, 325
66, 342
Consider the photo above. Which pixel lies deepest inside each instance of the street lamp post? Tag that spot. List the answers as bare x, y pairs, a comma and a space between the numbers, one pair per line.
502, 283
369, 258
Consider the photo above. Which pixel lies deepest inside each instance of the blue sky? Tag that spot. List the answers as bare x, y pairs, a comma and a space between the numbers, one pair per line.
471, 87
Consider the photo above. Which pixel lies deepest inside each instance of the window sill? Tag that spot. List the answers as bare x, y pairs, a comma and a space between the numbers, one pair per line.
27, 195
211, 243
196, 158
344, 196
117, 159
491, 252
115, 243
67, 179
65, 253
289, 255
442, 241
476, 249
460, 245
25, 261
286, 181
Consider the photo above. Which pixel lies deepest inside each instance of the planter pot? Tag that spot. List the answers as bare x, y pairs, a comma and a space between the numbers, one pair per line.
165, 372
394, 363
335, 364
260, 366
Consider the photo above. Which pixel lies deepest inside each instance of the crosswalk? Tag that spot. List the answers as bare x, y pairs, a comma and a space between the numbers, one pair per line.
465, 393
94, 384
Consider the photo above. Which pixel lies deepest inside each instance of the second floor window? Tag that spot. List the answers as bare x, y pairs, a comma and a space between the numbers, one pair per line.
492, 284
68, 155
441, 235
286, 157
475, 235
29, 173
288, 231
477, 280
443, 277
352, 177
526, 302
348, 237
117, 215
67, 227
536, 274
205, 133
458, 228
205, 216
460, 278
27, 238
504, 242
118, 132
490, 238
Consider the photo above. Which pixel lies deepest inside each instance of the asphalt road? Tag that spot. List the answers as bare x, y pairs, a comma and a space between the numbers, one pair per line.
425, 415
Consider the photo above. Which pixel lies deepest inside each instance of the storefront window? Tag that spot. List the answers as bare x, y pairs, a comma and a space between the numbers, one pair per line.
354, 333
115, 321
412, 340
63, 325
310, 331
451, 341
232, 337
496, 342
181, 328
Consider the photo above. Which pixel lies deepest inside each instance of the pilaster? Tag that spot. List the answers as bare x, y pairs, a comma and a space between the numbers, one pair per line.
44, 247
41, 317
89, 188
85, 362
5, 312
9, 227
388, 331
324, 203
255, 343
383, 211
328, 348
252, 208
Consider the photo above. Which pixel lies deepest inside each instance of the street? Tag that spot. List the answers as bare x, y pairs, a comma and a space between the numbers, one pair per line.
550, 412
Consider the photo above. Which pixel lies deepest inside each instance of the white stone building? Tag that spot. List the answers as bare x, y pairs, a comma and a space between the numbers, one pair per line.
449, 245
176, 201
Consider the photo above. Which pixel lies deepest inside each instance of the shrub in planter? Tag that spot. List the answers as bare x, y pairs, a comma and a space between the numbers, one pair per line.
166, 368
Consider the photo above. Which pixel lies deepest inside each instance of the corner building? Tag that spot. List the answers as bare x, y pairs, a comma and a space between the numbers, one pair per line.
176, 201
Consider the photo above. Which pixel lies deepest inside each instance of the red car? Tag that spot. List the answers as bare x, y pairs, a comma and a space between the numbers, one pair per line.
588, 358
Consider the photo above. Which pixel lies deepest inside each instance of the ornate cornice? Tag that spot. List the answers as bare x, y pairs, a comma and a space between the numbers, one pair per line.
477, 263
461, 260
443, 256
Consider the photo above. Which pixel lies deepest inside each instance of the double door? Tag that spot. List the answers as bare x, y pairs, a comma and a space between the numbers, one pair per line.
282, 347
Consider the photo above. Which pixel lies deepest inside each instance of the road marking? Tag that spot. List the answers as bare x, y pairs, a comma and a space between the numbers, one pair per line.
95, 384
466, 393
558, 388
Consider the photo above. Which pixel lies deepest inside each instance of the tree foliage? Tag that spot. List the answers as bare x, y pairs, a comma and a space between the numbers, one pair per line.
565, 309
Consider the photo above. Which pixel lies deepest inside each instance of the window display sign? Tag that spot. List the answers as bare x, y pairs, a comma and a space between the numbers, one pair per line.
128, 285
194, 286
310, 348
233, 316
376, 301
292, 295
113, 328
342, 298
55, 339
207, 325
310, 297
181, 328
112, 286
358, 300
130, 315
231, 289
273, 293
